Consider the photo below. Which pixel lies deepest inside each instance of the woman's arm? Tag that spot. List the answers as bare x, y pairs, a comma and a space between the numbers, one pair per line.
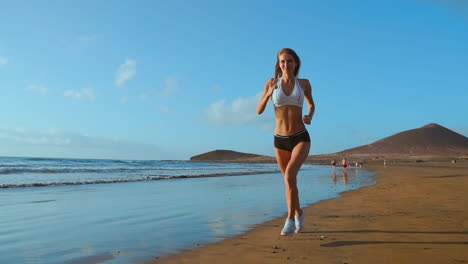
270, 85
310, 101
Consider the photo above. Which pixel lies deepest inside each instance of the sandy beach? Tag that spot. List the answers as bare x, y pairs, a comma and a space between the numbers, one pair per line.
416, 213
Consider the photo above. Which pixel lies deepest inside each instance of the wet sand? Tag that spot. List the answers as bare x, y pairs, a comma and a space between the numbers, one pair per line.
414, 214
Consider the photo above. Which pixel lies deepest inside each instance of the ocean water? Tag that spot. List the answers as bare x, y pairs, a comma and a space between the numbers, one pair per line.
34, 172
120, 211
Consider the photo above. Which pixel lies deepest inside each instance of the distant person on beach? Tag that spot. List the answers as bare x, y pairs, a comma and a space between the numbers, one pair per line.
333, 163
344, 163
291, 139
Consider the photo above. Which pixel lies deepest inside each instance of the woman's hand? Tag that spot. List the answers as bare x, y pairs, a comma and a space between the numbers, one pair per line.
307, 119
272, 86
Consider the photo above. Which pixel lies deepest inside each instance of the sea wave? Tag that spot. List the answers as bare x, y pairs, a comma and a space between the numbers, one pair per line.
19, 170
135, 179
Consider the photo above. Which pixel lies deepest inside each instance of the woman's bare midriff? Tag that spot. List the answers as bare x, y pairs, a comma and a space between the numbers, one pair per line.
288, 120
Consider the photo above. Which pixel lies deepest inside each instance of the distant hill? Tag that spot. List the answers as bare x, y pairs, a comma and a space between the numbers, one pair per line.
431, 139
229, 155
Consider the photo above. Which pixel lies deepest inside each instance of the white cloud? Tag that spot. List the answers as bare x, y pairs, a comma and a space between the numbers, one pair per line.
3, 61
125, 72
38, 88
57, 143
171, 86
83, 94
242, 111
21, 135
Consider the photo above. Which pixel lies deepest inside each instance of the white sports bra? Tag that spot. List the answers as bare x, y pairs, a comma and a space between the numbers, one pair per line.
296, 97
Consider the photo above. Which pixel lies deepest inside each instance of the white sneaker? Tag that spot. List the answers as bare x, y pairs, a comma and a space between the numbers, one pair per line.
299, 221
288, 228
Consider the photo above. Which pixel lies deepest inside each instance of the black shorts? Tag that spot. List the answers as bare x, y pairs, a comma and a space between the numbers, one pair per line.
289, 142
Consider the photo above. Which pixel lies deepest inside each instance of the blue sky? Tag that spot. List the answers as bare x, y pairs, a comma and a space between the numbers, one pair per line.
172, 79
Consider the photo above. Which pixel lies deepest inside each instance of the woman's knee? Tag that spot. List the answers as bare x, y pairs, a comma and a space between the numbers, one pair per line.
290, 180
291, 171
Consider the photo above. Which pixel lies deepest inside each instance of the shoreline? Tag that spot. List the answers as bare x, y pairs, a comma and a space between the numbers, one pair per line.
415, 213
366, 159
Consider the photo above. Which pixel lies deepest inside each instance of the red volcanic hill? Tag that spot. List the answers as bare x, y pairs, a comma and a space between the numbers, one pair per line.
431, 139
223, 155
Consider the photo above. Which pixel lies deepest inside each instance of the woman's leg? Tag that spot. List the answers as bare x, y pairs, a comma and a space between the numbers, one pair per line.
289, 164
282, 158
298, 156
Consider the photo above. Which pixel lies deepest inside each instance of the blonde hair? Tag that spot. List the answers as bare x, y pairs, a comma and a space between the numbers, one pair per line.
278, 72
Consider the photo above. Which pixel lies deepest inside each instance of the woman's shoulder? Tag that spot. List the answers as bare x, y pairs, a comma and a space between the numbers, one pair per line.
305, 83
